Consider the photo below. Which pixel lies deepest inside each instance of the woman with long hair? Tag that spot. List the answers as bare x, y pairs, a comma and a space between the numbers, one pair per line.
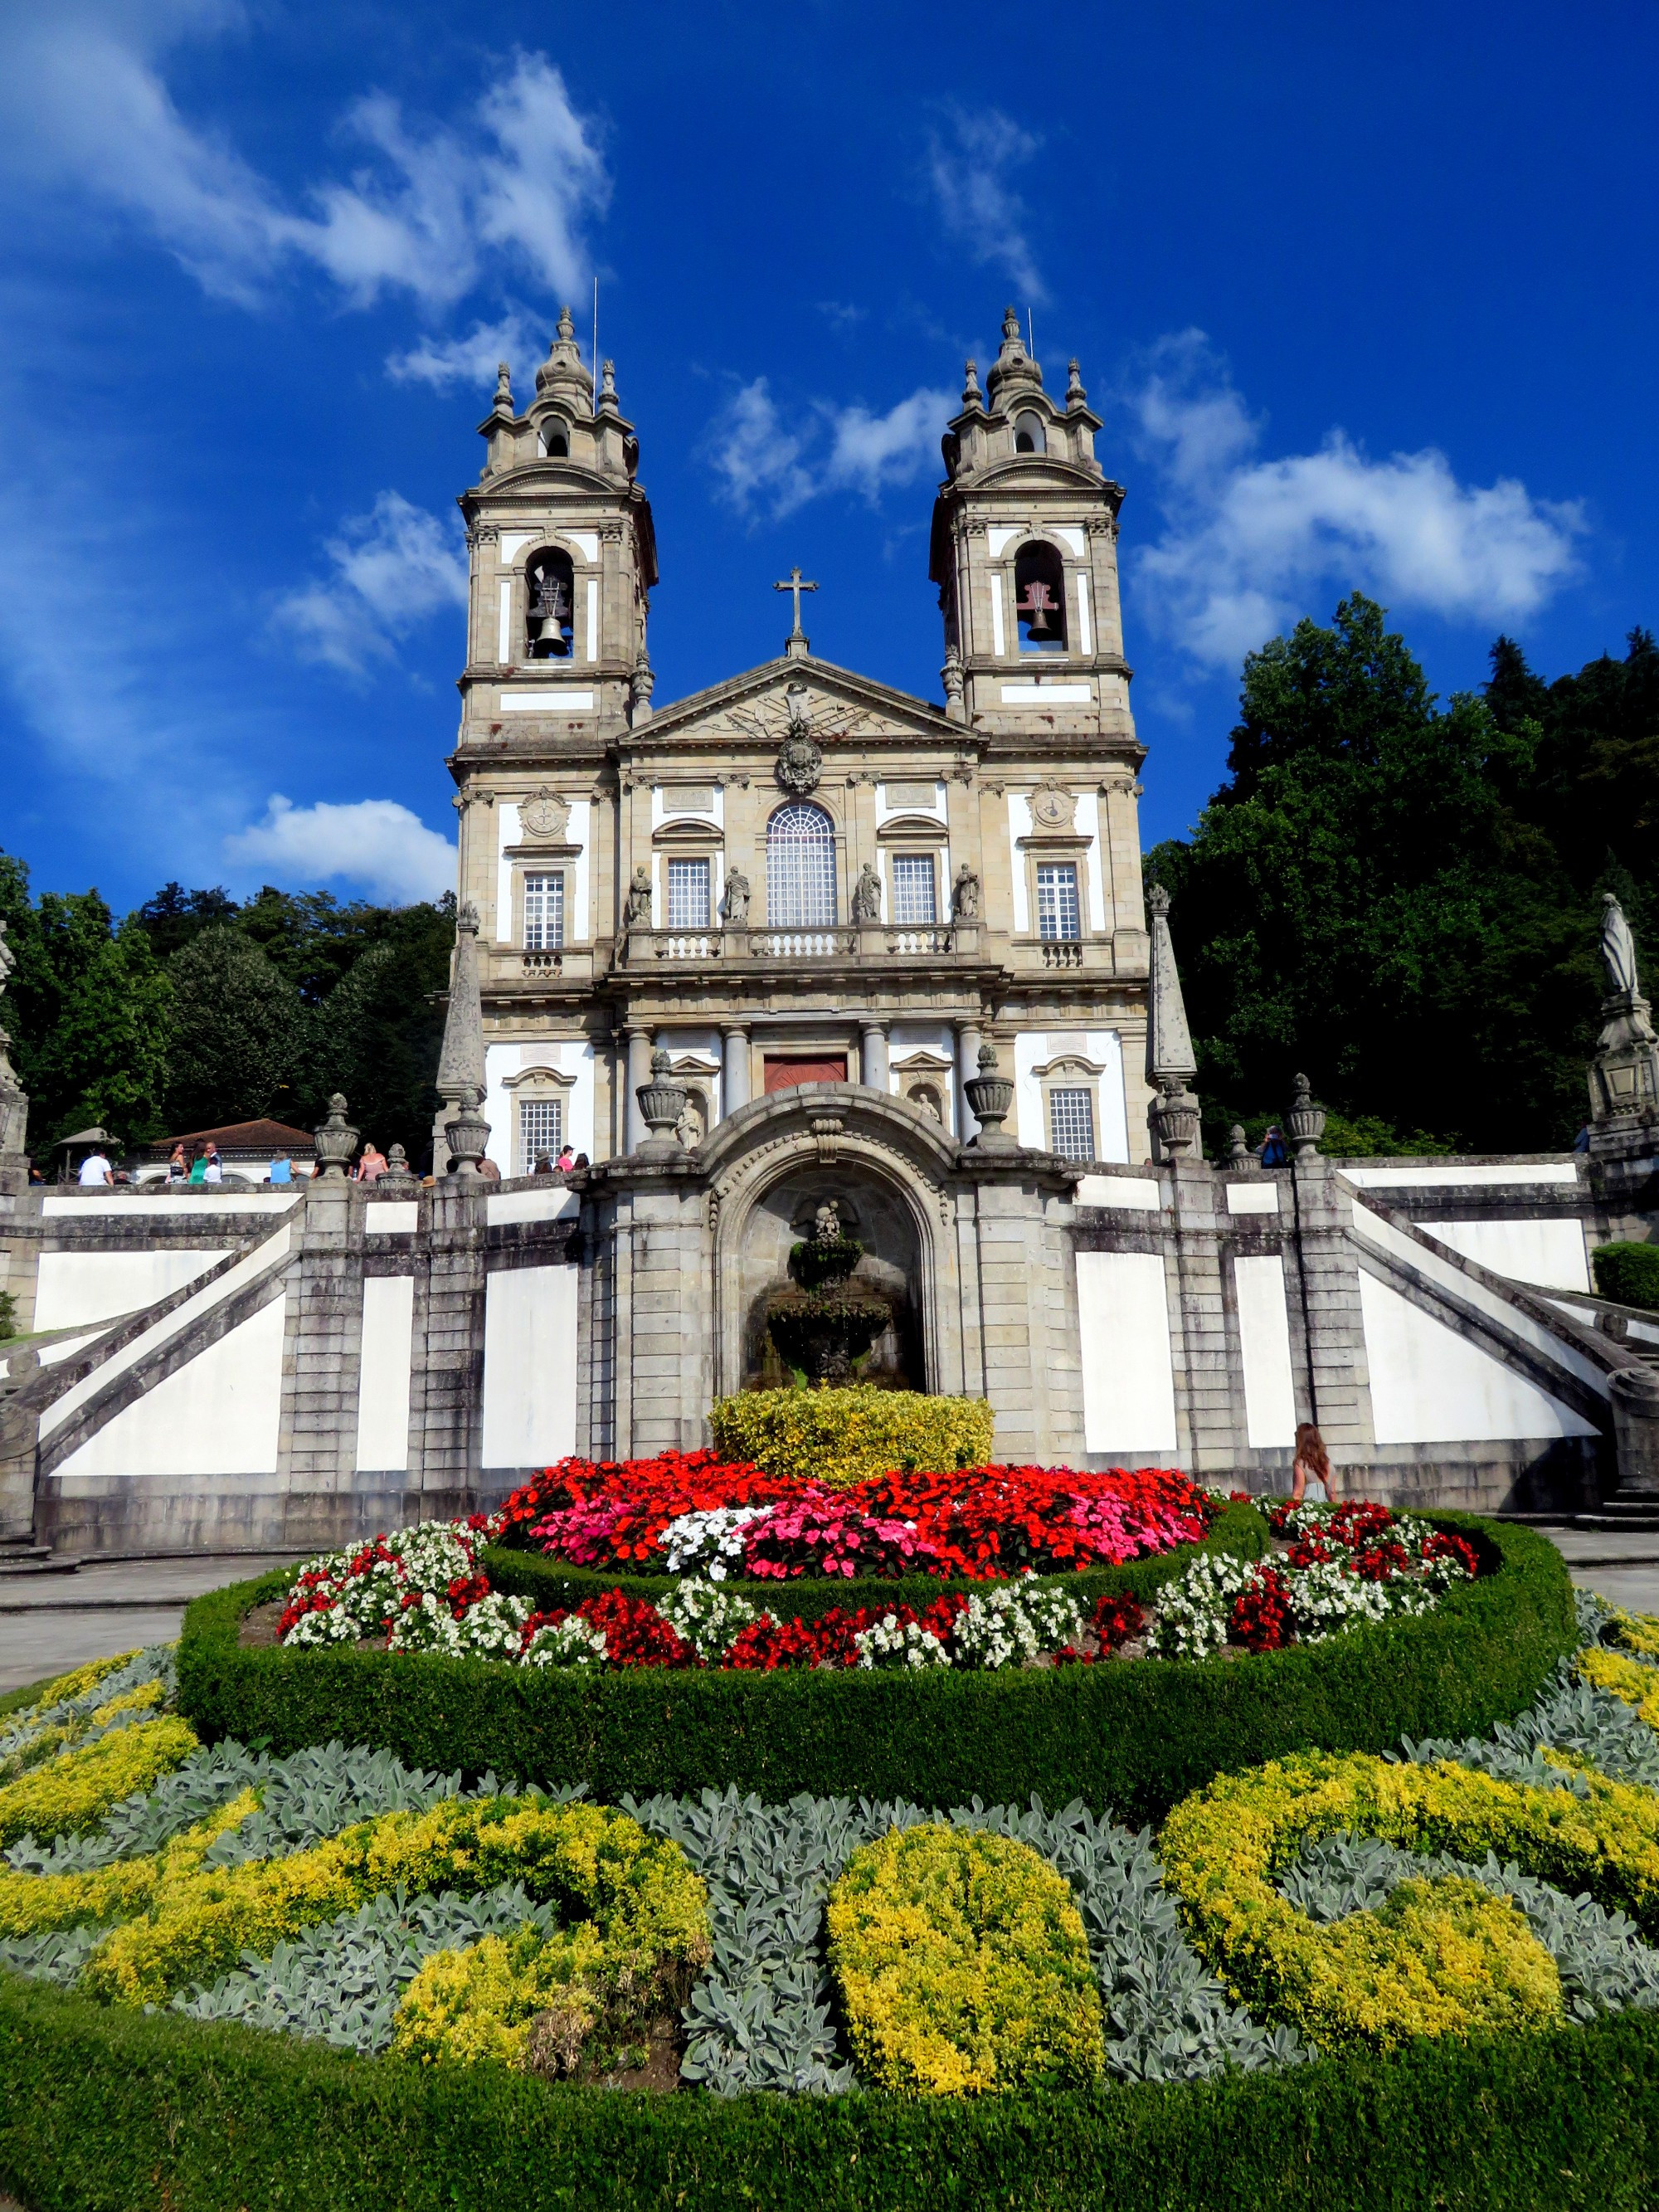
1312, 1464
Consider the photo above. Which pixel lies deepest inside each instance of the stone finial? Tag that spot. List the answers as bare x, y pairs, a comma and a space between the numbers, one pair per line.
951, 675
991, 1097
1013, 370
1170, 1053
662, 1101
337, 1140
1239, 1154
563, 375
503, 389
468, 1133
461, 1059
567, 323
1010, 324
1305, 1121
971, 394
607, 402
1075, 394
397, 1173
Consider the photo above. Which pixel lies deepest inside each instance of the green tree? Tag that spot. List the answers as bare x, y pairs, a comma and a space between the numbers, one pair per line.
377, 1036
1366, 899
238, 1036
174, 916
104, 1063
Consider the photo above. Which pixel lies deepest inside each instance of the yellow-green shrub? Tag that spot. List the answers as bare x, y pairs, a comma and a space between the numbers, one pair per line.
964, 1965
480, 2002
1435, 1965
77, 1789
78, 1681
30, 1902
841, 1436
1628, 1678
593, 1862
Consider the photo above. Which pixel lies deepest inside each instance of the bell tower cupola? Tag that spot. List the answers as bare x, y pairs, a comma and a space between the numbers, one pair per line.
563, 560
1025, 555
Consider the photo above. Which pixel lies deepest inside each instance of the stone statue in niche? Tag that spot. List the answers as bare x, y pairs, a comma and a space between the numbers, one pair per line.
826, 1222
639, 899
734, 901
1618, 949
866, 895
964, 895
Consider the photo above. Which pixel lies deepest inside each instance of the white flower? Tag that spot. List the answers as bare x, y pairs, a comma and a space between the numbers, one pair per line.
572, 1642
885, 1644
716, 1536
707, 1617
1007, 1625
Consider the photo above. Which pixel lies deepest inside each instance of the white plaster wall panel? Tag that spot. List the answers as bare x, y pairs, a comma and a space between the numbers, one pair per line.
885, 810
547, 702
75, 1287
1085, 626
1138, 1194
1046, 694
392, 1217
587, 542
1252, 1197
578, 923
556, 1203
665, 806
530, 1366
1001, 535
593, 618
1070, 537
1020, 825
500, 1060
1431, 1386
1128, 1379
998, 633
507, 833
1030, 1053
383, 1375
1546, 1252
504, 639
1264, 1337
513, 543
219, 1414
1432, 1178
151, 1339
1088, 825
1105, 1049
201, 1200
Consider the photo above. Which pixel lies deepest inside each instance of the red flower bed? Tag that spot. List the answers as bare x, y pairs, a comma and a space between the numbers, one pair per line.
982, 1522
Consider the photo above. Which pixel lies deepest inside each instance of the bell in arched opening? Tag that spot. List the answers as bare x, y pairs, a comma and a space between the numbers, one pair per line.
550, 600
1040, 598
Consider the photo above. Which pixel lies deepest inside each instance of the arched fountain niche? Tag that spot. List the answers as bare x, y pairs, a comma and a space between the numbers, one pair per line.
890, 1268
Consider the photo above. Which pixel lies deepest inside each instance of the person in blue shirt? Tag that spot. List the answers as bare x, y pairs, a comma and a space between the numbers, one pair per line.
1273, 1154
281, 1170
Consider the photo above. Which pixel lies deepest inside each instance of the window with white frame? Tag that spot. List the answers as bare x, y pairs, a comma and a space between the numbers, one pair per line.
913, 888
544, 911
687, 894
800, 868
541, 1129
1058, 915
1072, 1124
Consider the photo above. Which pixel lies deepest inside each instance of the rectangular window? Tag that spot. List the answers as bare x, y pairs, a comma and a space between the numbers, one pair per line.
543, 912
1072, 1124
541, 1129
913, 887
1057, 906
687, 894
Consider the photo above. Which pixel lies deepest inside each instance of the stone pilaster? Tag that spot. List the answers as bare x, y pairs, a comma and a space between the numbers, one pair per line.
321, 1358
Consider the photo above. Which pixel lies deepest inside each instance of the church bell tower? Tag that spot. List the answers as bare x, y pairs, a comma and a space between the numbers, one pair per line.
1025, 555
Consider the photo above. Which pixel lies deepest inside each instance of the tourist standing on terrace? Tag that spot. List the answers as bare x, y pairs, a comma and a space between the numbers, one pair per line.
1312, 1465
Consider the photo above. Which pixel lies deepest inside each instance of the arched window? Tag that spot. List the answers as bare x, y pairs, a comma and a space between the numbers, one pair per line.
1029, 437
549, 600
1040, 598
555, 441
800, 869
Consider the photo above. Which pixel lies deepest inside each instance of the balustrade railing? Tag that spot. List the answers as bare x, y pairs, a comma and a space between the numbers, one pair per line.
805, 943
1062, 952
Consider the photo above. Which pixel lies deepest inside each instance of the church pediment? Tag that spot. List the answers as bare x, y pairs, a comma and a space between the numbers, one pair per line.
765, 705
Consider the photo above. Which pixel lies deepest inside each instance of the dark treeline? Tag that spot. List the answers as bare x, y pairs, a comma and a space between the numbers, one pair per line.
192, 1011
1404, 899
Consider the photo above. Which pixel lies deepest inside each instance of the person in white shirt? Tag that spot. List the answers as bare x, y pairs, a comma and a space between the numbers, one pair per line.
96, 1168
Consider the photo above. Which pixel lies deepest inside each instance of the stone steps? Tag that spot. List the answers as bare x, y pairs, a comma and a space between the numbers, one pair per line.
18, 1556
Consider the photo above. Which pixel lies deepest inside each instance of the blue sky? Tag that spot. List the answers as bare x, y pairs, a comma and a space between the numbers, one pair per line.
1364, 299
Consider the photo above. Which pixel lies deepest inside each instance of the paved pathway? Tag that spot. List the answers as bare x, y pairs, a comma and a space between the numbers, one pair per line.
49, 1623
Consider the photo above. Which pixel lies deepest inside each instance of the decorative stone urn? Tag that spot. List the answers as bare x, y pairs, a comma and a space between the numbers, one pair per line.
662, 1101
1240, 1158
1176, 1115
398, 1175
990, 1096
468, 1133
337, 1140
1305, 1121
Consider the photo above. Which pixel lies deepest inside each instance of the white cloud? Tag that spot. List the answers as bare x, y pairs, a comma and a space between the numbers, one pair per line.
392, 568
1251, 543
761, 465
375, 842
445, 362
969, 166
86, 107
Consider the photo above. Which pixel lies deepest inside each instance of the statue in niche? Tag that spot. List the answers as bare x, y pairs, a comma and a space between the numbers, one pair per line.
964, 895
826, 1222
734, 901
866, 895
639, 899
693, 1125
1618, 949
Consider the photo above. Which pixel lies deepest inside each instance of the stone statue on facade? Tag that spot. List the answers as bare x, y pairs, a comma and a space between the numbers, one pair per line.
866, 895
1618, 949
826, 1222
734, 900
964, 895
639, 899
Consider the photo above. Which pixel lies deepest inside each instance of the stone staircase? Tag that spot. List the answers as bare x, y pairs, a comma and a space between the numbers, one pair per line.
20, 1555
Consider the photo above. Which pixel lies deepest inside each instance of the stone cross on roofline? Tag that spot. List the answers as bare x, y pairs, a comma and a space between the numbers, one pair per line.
797, 643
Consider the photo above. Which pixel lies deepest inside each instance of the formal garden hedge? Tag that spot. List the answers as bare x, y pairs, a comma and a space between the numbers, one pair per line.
1136, 1737
107, 2110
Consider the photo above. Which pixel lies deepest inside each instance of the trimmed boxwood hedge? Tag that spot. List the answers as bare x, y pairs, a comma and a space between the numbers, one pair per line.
1238, 1530
1135, 1738
105, 2110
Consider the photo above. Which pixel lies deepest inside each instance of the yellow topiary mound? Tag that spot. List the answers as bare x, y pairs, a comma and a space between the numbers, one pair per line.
964, 1965
843, 1437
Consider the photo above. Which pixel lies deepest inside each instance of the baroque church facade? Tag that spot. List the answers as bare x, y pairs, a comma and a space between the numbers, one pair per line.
800, 875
